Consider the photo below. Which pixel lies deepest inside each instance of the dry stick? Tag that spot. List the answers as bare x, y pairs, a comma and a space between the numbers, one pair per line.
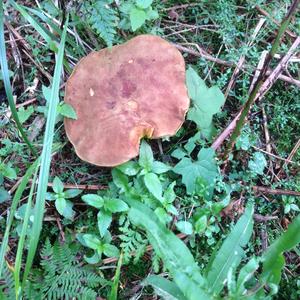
261, 87
265, 13
205, 55
266, 190
290, 157
243, 57
82, 186
258, 69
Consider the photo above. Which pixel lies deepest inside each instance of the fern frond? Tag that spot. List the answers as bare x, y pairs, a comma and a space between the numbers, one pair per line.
103, 18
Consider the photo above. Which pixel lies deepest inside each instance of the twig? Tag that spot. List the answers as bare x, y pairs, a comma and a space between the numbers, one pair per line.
265, 13
261, 218
180, 6
82, 186
258, 69
243, 57
261, 87
263, 189
290, 157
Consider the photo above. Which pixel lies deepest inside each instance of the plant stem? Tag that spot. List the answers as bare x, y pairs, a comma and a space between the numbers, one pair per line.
247, 106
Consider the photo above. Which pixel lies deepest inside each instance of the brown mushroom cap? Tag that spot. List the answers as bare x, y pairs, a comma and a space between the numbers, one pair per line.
122, 94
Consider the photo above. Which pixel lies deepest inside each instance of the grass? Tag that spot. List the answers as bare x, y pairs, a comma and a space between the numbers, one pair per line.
222, 29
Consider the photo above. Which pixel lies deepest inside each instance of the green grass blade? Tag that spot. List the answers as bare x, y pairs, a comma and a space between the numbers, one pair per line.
13, 207
7, 85
45, 158
114, 289
21, 242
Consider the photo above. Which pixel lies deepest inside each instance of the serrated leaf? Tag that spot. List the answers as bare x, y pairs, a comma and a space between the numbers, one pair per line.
91, 241
129, 168
72, 193
137, 18
110, 250
231, 252
153, 185
159, 167
58, 185
206, 101
67, 111
8, 172
93, 200
60, 205
146, 156
104, 220
115, 205
174, 253
205, 168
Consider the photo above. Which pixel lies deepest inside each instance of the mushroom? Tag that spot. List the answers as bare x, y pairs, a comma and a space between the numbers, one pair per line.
122, 94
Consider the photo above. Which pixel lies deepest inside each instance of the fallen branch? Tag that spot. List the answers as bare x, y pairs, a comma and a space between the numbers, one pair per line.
266, 190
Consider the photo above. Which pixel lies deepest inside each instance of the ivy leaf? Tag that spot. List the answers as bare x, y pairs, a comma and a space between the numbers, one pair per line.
258, 163
93, 200
58, 186
146, 156
153, 185
204, 168
137, 18
67, 111
206, 101
104, 220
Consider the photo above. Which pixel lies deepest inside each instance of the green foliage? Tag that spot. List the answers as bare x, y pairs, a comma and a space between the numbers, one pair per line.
258, 163
231, 252
103, 18
205, 102
63, 206
62, 277
203, 169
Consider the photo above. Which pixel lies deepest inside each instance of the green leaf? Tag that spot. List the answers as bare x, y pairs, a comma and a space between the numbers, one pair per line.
137, 18
93, 200
110, 250
8, 172
4, 195
91, 241
204, 168
24, 114
206, 101
231, 252
115, 205
51, 196
273, 259
184, 227
153, 185
162, 215
60, 205
146, 156
68, 212
72, 193
129, 168
174, 253
201, 224
143, 3
58, 186
67, 111
159, 167
164, 288
104, 220
258, 163
120, 180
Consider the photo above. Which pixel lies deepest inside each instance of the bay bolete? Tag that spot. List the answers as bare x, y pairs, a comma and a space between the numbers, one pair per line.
123, 94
